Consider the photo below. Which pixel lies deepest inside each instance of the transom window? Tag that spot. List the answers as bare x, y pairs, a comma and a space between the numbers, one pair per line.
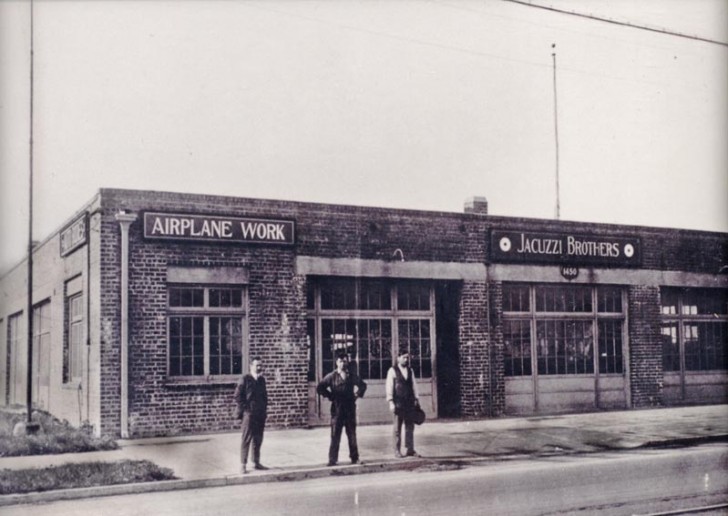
206, 330
559, 327
694, 329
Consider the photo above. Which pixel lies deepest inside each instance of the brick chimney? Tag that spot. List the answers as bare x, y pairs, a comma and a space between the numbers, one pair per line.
478, 205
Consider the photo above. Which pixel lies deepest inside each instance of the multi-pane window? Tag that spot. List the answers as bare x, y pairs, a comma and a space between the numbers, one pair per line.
206, 330
73, 346
368, 343
369, 319
559, 327
415, 338
694, 329
364, 294
517, 336
564, 347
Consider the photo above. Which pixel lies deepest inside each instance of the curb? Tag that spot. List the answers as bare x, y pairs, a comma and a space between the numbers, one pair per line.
228, 480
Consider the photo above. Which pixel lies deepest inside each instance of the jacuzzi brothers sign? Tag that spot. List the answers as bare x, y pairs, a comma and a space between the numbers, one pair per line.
564, 248
212, 228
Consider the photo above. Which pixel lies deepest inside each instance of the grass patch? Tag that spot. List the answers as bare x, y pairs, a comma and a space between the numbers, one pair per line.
85, 474
53, 437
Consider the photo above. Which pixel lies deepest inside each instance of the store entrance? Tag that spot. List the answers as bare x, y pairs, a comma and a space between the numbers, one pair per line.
371, 320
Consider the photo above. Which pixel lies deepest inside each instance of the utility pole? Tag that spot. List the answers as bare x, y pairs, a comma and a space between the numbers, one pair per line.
556, 135
30, 427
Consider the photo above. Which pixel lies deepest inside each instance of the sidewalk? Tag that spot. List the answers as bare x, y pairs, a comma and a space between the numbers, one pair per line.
213, 459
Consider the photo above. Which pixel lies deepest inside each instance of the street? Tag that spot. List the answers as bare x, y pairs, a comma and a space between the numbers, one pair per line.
637, 482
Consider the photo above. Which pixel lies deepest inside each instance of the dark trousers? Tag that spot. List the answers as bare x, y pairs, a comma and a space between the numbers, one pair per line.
253, 426
339, 422
409, 433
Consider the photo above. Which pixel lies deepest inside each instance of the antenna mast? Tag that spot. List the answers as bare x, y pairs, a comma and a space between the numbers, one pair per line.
556, 135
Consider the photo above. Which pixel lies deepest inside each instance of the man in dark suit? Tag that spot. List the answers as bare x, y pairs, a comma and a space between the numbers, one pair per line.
251, 396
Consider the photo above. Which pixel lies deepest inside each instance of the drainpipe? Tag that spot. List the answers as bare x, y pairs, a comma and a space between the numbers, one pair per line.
125, 220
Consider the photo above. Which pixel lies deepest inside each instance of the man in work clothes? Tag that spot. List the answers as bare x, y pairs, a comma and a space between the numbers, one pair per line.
403, 398
251, 397
342, 387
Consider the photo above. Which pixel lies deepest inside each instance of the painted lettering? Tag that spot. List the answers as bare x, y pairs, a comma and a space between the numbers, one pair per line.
539, 245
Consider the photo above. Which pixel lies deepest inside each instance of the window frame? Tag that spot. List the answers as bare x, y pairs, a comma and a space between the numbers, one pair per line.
71, 352
680, 316
17, 368
533, 319
316, 315
207, 312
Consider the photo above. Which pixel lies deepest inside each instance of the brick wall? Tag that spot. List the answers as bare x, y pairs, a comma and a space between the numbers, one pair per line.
277, 300
645, 357
474, 356
495, 309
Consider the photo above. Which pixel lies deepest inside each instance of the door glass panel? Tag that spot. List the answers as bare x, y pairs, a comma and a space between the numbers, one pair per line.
517, 348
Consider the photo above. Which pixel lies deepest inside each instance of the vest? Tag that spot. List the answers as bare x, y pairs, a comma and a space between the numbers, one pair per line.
403, 393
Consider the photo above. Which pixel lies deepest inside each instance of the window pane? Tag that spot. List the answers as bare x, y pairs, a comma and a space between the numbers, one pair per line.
705, 302
374, 348
374, 295
311, 345
517, 348
609, 299
670, 347
552, 298
414, 337
186, 297
73, 340
565, 347
338, 336
186, 342
226, 339
413, 296
610, 347
516, 298
705, 346
338, 294
669, 301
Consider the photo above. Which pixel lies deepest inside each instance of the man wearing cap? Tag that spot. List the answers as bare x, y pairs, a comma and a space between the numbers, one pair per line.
342, 387
403, 398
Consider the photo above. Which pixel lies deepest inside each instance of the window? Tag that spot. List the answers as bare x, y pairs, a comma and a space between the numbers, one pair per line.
73, 345
558, 327
415, 338
694, 329
364, 294
368, 342
367, 319
517, 339
41, 352
18, 360
565, 347
206, 330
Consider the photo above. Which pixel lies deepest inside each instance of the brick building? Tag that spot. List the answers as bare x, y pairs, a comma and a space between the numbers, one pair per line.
149, 305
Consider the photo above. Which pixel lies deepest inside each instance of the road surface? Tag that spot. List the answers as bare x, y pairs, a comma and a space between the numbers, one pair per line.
636, 482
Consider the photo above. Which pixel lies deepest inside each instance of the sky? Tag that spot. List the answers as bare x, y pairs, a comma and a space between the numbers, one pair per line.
401, 104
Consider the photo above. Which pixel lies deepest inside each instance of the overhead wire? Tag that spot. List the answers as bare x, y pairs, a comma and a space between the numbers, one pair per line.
442, 46
618, 22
